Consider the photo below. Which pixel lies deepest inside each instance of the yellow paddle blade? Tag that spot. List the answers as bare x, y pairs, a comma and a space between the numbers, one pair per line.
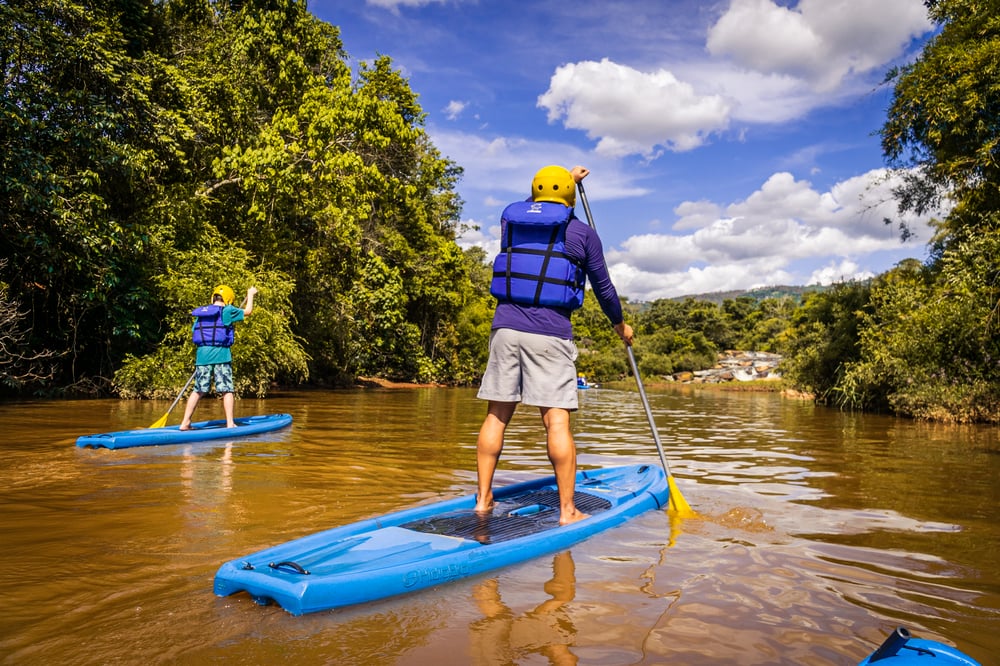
677, 503
163, 419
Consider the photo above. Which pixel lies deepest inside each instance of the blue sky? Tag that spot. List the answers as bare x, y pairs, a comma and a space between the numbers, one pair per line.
732, 144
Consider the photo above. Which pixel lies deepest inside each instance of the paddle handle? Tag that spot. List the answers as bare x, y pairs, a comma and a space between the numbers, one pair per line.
891, 645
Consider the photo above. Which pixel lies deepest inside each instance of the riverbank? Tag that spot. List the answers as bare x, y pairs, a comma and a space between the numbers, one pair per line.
735, 371
378, 382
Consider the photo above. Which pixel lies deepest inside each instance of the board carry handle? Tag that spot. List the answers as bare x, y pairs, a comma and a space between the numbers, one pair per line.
290, 565
895, 642
530, 510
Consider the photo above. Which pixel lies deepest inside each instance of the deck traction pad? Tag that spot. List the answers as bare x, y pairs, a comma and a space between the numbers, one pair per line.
501, 525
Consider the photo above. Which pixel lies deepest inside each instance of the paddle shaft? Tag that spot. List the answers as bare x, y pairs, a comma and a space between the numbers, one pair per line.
177, 399
631, 356
649, 412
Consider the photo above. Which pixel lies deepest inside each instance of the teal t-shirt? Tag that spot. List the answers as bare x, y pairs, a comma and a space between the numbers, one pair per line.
206, 355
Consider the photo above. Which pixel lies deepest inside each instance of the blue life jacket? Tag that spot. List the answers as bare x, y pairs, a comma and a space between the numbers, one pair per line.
208, 328
533, 267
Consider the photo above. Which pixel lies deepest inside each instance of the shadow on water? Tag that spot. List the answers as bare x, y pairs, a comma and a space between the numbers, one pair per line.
818, 532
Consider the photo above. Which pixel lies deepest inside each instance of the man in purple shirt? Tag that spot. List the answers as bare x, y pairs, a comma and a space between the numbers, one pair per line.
532, 354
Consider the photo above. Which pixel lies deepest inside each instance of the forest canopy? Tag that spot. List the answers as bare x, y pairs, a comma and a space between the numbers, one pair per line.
152, 149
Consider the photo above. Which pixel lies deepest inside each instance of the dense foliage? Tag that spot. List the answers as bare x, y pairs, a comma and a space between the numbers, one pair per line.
677, 335
151, 150
924, 340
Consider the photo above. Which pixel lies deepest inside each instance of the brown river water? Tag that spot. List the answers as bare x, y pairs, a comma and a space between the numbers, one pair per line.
817, 533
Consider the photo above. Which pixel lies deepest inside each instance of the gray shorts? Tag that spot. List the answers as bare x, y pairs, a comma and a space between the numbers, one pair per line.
223, 378
535, 369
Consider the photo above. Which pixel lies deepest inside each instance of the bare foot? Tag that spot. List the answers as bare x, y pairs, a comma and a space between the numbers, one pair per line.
572, 517
484, 507
230, 425
184, 427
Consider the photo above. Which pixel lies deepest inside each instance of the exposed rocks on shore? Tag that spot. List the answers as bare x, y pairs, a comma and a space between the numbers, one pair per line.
732, 366
741, 366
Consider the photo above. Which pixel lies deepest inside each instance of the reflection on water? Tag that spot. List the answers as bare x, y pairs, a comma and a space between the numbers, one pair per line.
818, 532
506, 637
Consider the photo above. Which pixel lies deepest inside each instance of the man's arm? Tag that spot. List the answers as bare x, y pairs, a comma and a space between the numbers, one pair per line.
600, 280
249, 306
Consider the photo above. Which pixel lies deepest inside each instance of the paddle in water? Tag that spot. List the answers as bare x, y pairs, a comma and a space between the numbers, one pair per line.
162, 421
677, 504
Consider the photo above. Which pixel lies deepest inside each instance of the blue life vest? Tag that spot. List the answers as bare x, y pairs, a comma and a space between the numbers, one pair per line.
533, 267
208, 328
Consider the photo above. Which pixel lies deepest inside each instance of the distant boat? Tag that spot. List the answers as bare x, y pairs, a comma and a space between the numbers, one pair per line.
581, 383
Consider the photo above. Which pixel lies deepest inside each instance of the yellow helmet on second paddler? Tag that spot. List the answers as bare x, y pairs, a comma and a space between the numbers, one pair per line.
228, 295
554, 184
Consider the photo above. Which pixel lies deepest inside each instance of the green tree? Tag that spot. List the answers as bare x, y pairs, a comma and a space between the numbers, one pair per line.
928, 347
84, 154
667, 351
762, 327
942, 128
336, 183
344, 191
712, 321
739, 312
663, 313
475, 319
823, 337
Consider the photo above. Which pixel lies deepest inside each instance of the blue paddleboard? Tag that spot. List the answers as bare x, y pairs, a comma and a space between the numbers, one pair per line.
901, 649
200, 431
428, 545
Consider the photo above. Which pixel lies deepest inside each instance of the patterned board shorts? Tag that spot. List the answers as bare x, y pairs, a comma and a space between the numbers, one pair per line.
223, 377
538, 370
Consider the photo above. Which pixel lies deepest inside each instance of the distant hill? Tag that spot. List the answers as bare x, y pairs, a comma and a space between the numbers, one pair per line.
759, 294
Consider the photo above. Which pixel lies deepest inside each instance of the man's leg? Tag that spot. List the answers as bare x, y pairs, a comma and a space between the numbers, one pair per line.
562, 455
228, 402
202, 379
189, 406
488, 449
224, 385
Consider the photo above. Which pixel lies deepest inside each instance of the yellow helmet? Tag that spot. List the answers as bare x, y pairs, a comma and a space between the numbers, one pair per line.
554, 184
228, 295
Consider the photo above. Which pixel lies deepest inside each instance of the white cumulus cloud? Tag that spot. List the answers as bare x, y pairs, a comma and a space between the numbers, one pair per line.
454, 109
630, 111
766, 63
821, 41
761, 239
